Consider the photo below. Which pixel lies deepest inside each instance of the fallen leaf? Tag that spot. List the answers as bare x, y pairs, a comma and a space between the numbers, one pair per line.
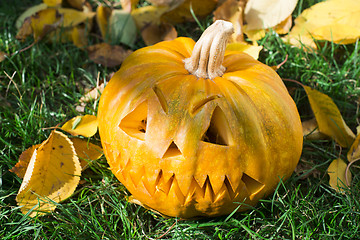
122, 28
25, 30
263, 14
44, 22
153, 33
332, 20
284, 26
252, 50
107, 55
78, 36
28, 13
329, 117
20, 167
336, 173
182, 13
102, 18
52, 175
311, 130
52, 3
232, 11
148, 15
169, 3
81, 125
74, 17
86, 152
354, 151
77, 4
2, 56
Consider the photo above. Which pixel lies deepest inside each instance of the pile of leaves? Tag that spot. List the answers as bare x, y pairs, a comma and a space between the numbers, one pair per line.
117, 26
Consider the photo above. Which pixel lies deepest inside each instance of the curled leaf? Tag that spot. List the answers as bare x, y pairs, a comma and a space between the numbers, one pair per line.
28, 13
52, 175
20, 167
267, 13
329, 118
81, 125
86, 151
337, 171
354, 151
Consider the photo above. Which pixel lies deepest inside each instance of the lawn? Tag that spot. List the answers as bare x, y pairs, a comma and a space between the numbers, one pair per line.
41, 86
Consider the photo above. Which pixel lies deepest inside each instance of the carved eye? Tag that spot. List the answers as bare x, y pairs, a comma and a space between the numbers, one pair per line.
219, 130
135, 123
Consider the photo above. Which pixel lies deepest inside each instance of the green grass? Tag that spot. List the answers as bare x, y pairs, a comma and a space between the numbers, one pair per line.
50, 78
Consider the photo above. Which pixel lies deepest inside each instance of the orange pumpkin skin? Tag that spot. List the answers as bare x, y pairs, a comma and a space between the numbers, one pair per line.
189, 147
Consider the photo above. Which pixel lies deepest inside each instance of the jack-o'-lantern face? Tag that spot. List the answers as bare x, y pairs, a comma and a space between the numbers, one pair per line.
189, 146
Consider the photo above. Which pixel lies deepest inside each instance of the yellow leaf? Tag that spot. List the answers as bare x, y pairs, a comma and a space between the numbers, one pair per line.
20, 168
52, 3
44, 22
74, 17
332, 20
52, 175
336, 171
148, 14
28, 13
354, 151
78, 4
102, 18
79, 36
246, 48
86, 151
267, 13
329, 118
81, 125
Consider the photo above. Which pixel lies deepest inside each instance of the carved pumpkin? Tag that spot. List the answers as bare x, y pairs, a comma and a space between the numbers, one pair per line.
191, 137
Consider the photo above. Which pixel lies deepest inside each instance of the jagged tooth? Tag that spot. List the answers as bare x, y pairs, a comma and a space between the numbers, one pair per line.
176, 189
217, 181
223, 195
208, 191
193, 189
252, 185
136, 174
184, 183
200, 179
165, 186
125, 169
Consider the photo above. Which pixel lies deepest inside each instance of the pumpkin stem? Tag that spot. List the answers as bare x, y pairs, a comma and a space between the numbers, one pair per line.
208, 53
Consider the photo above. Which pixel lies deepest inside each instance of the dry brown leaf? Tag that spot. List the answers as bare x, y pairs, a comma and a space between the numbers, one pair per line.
332, 20
263, 14
81, 125
25, 30
182, 13
107, 55
232, 11
86, 152
336, 171
311, 130
77, 4
20, 167
329, 118
148, 15
152, 33
2, 56
52, 175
